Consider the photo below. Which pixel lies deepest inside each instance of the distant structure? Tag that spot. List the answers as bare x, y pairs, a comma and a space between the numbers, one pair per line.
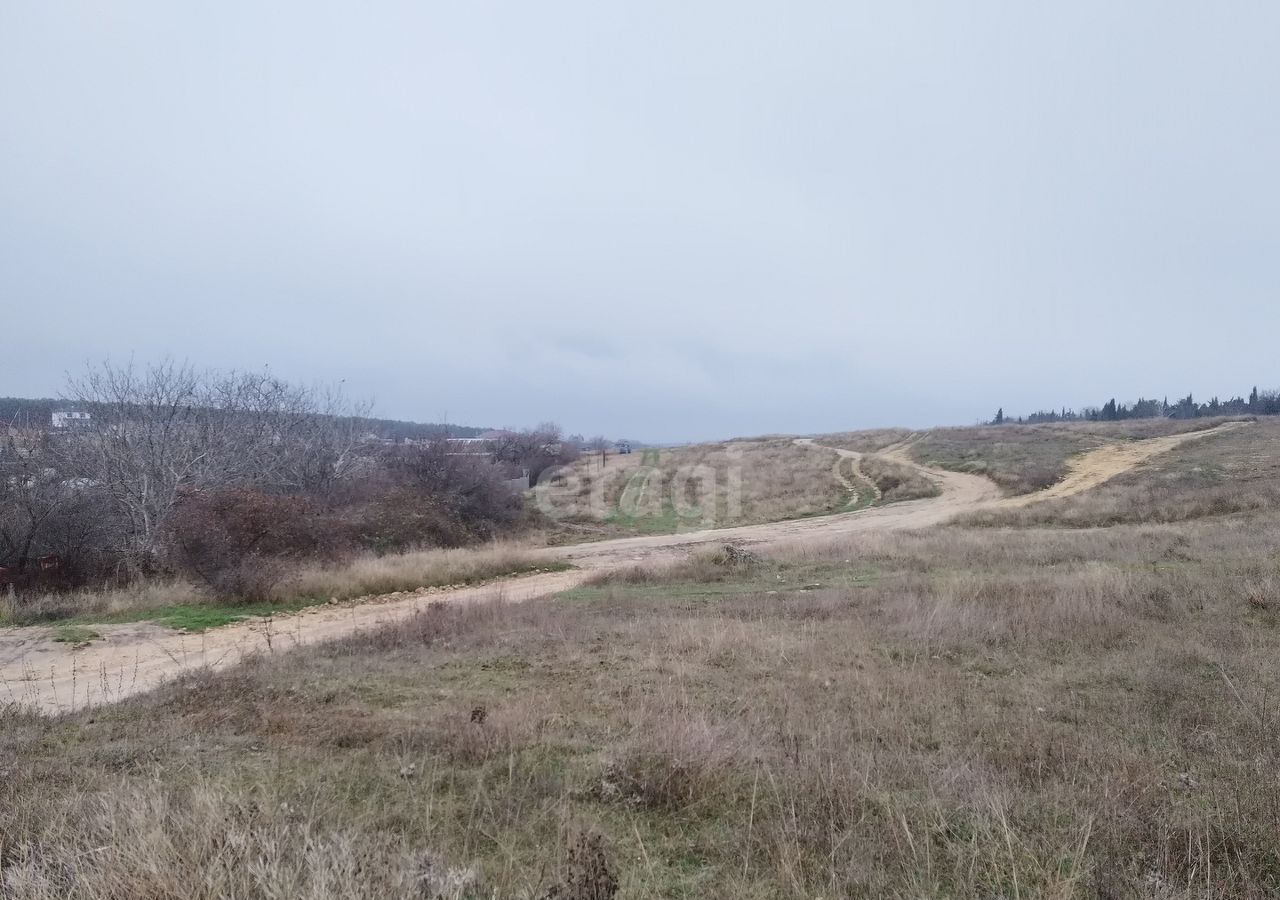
481, 445
519, 483
66, 418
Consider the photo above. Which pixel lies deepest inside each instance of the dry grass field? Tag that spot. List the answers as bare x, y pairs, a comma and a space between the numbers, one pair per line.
1058, 713
1032, 711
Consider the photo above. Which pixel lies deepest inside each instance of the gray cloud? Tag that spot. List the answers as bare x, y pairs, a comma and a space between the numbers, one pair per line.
663, 220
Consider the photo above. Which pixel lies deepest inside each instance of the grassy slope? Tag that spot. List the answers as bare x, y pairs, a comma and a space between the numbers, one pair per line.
1237, 471
894, 480
702, 486
868, 441
1026, 458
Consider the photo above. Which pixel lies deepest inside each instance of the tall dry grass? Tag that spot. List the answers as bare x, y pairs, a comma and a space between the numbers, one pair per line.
343, 579
370, 574
27, 607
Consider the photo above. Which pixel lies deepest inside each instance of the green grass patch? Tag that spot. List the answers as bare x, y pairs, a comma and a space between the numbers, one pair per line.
668, 522
75, 634
197, 617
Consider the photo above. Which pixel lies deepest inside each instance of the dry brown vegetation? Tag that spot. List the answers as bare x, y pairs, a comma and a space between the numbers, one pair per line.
1026, 458
1054, 714
957, 712
730, 483
183, 486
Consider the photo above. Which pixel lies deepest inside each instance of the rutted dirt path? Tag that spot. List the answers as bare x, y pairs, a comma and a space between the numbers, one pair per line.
130, 659
853, 488
1094, 467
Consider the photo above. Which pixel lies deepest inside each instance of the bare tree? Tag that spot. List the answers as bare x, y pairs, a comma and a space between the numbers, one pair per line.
28, 495
166, 429
535, 449
142, 446
41, 511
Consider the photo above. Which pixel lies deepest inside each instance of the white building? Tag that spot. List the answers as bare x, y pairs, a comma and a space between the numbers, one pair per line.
69, 418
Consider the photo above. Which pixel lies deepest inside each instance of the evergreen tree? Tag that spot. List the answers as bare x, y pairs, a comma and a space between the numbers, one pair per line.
999, 419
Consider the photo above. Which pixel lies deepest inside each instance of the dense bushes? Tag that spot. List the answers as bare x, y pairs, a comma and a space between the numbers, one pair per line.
424, 495
238, 540
228, 479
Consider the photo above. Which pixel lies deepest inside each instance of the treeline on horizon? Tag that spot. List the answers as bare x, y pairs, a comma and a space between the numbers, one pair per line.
1258, 403
36, 412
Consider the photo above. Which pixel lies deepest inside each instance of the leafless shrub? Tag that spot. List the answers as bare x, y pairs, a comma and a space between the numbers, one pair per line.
536, 450
428, 496
588, 875
239, 541
671, 763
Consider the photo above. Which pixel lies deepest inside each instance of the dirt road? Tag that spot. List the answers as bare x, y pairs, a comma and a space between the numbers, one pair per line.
130, 659
1090, 469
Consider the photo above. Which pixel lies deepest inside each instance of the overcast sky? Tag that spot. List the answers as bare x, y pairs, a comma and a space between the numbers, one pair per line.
661, 220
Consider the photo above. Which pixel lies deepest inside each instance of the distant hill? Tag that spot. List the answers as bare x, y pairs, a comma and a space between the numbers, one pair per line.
23, 411
36, 411
399, 430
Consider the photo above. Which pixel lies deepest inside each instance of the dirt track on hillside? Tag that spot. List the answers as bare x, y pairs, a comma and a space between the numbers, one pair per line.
837, 470
130, 659
1090, 469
